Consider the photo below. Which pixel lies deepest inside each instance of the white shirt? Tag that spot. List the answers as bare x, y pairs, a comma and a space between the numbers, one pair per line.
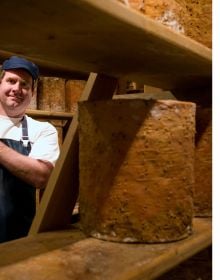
42, 135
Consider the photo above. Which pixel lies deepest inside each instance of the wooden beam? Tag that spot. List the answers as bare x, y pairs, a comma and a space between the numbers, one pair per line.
153, 95
60, 195
49, 114
103, 37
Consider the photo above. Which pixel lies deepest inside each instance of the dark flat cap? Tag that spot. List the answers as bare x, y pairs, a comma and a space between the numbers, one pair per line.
15, 62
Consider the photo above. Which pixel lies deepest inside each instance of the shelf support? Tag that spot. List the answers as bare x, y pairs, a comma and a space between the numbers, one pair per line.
60, 195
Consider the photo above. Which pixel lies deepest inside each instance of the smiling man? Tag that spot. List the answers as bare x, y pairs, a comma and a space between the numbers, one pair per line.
28, 148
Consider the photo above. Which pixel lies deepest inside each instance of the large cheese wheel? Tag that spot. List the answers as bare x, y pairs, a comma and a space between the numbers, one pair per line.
51, 97
189, 17
73, 92
203, 163
136, 169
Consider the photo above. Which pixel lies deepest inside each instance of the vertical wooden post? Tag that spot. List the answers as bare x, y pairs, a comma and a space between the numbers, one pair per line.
55, 209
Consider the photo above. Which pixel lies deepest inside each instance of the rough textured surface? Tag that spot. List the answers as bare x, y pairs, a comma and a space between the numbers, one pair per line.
192, 18
203, 162
73, 91
136, 169
51, 97
203, 148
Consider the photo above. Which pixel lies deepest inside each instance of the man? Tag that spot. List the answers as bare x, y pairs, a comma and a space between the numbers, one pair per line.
28, 148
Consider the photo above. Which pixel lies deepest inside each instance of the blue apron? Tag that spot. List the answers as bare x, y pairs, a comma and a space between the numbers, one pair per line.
17, 198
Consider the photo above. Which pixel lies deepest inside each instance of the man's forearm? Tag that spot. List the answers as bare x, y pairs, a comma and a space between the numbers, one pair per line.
35, 172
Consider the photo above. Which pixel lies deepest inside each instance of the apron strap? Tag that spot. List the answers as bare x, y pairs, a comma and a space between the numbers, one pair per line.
25, 138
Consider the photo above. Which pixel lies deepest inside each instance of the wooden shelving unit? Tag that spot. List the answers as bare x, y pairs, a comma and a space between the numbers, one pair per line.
69, 38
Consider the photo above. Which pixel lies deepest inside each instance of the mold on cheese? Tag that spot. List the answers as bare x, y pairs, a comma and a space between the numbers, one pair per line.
136, 169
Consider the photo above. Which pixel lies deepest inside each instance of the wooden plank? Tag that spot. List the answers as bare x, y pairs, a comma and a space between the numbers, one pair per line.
154, 95
89, 258
102, 36
49, 114
60, 195
24, 248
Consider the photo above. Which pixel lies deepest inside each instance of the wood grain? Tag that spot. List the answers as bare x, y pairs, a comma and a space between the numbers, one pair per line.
104, 37
68, 255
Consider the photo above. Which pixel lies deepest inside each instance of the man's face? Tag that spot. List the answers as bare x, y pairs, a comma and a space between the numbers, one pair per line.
15, 92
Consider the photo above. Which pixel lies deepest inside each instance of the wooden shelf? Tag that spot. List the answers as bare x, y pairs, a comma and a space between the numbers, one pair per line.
68, 254
41, 114
105, 37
